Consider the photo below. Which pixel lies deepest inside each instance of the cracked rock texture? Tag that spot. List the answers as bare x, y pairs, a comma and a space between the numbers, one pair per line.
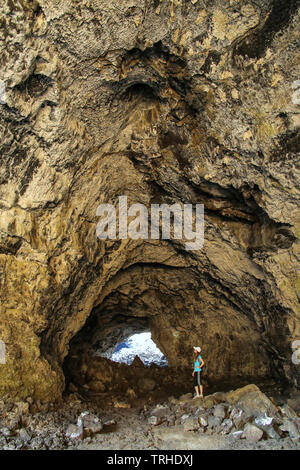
163, 101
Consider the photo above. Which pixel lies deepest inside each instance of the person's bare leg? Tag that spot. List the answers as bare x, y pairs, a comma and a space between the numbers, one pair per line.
201, 391
197, 392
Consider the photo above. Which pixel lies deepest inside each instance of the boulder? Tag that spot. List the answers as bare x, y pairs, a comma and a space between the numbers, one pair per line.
213, 421
252, 400
191, 424
226, 426
292, 426
265, 422
288, 411
160, 411
218, 397
252, 433
239, 418
219, 411
294, 401
214, 399
207, 402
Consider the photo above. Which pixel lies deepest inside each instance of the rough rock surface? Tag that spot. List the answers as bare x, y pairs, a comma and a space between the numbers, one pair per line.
164, 102
177, 423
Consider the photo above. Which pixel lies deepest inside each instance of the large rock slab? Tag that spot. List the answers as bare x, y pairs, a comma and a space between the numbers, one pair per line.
252, 400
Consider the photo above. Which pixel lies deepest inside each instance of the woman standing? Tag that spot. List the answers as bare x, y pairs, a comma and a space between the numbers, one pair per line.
198, 364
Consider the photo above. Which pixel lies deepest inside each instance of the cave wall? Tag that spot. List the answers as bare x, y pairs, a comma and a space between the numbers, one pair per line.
167, 101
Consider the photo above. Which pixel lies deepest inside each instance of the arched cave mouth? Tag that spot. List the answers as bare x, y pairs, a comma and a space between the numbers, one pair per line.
96, 366
138, 345
161, 299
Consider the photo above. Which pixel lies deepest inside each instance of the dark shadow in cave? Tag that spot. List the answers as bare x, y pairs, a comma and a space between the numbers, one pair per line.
256, 43
93, 370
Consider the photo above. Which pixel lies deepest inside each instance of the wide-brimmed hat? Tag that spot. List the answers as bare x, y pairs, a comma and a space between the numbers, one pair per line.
197, 348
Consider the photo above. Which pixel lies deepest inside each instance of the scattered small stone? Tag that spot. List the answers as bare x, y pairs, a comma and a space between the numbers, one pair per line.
6, 432
219, 411
240, 419
294, 401
171, 420
173, 400
121, 404
235, 413
110, 422
203, 421
18, 444
22, 407
226, 426
264, 422
74, 432
287, 411
161, 411
24, 435
51, 430
291, 426
12, 421
183, 418
155, 420
90, 423
236, 434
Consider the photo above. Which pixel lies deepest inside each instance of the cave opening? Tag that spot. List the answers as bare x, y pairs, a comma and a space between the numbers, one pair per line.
115, 355
139, 345
178, 308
